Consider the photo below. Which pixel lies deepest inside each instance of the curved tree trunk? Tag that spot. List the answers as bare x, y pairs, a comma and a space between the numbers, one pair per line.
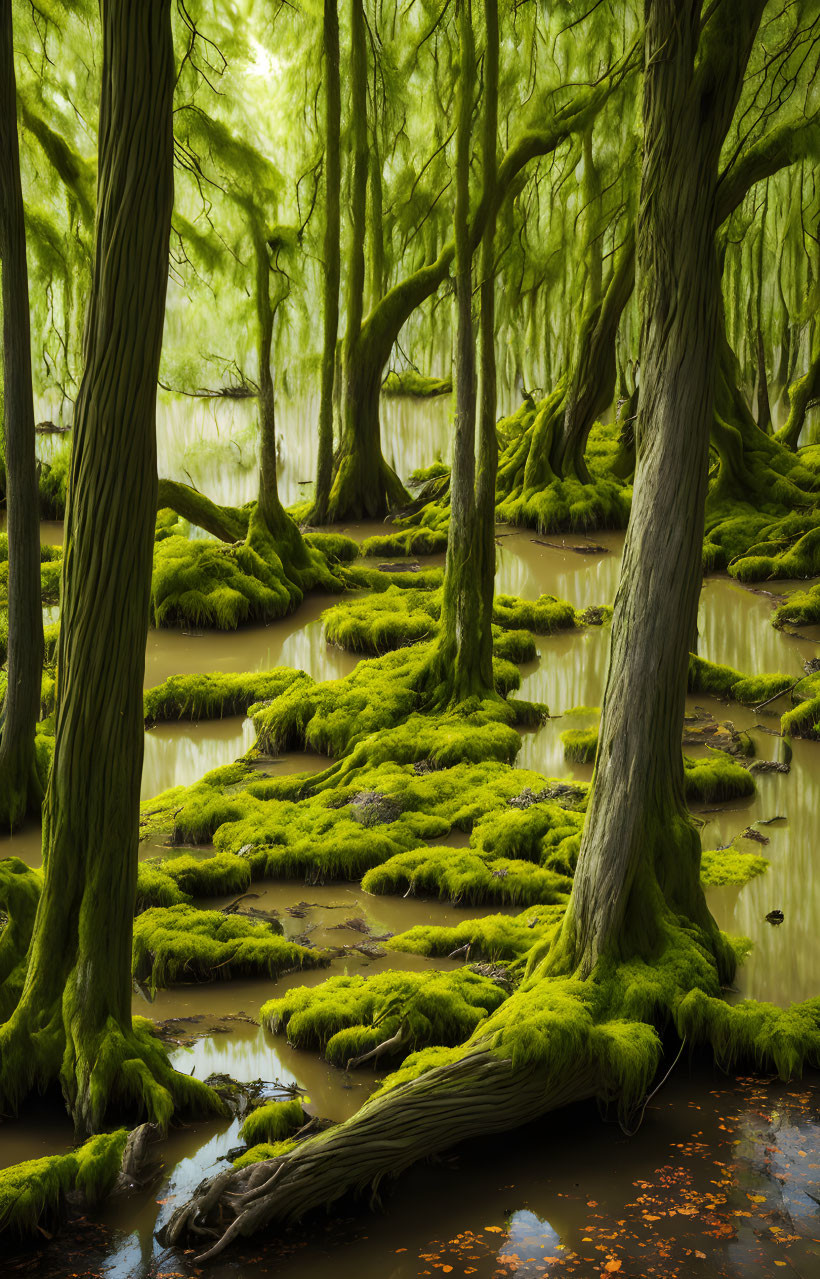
332, 265
802, 395
20, 787
73, 1021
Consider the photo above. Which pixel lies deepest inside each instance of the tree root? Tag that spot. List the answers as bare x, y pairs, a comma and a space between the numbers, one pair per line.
412, 1121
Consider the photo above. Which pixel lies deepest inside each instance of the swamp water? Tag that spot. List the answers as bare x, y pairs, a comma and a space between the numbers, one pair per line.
723, 1176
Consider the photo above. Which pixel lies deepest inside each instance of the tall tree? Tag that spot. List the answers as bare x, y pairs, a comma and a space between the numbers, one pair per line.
20, 786
461, 665
73, 1021
332, 264
640, 853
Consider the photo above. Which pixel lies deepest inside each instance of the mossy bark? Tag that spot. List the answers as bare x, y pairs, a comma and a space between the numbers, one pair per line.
20, 786
73, 1021
803, 394
462, 662
332, 263
640, 852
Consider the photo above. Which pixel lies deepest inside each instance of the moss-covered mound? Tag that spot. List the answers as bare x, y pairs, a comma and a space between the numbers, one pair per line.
529, 494
718, 776
383, 694
803, 720
33, 1194
493, 938
178, 879
226, 584
730, 866
723, 681
399, 616
763, 510
214, 695
273, 1121
800, 609
415, 385
348, 1017
463, 876
179, 943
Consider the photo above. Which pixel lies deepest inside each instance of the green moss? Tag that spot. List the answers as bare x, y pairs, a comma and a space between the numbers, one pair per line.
206, 583
580, 745
730, 866
214, 876
718, 777
33, 1194
381, 694
416, 385
20, 889
265, 1150
462, 875
155, 888
544, 616
800, 609
272, 1122
346, 1017
724, 681
335, 547
804, 718
214, 695
491, 937
180, 943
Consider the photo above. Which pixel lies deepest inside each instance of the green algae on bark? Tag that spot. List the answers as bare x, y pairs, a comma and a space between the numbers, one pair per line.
180, 943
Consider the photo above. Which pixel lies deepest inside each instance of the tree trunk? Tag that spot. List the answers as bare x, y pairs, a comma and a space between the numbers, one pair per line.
73, 1021
640, 852
457, 658
20, 787
332, 265
802, 395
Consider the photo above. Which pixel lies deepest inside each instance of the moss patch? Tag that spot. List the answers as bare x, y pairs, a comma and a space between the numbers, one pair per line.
179, 943
346, 1017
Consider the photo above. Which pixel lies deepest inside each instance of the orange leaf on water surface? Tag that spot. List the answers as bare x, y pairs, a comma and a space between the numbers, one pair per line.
612, 1266
496, 1230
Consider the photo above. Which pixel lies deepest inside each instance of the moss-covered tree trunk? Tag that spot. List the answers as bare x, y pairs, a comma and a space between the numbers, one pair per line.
332, 263
73, 1021
20, 787
461, 667
363, 484
640, 853
803, 394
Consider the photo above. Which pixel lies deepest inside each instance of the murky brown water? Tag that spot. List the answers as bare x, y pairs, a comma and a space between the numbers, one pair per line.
572, 1194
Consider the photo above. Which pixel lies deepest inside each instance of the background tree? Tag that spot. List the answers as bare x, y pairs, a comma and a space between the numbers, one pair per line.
20, 785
